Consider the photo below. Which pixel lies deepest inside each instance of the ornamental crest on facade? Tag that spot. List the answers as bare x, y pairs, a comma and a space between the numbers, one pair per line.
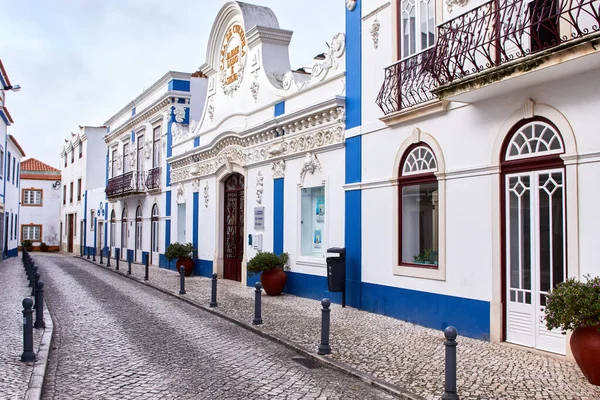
233, 59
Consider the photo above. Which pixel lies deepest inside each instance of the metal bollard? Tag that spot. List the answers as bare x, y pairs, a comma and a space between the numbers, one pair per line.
36, 278
108, 257
450, 382
128, 264
32, 275
28, 354
213, 292
324, 347
101, 251
87, 250
146, 267
117, 258
39, 306
257, 304
182, 280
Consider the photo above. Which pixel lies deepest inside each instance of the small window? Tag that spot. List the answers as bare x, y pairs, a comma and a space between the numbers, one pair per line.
14, 169
92, 222
79, 189
32, 197
72, 156
1, 162
65, 160
64, 194
31, 232
80, 150
8, 166
419, 209
313, 221
71, 192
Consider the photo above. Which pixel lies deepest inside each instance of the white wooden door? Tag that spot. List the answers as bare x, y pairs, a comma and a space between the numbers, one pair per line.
535, 255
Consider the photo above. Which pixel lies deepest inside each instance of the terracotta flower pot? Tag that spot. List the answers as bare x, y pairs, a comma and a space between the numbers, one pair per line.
273, 281
585, 345
188, 265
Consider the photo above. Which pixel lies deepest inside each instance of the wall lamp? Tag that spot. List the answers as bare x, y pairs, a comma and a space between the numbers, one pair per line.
14, 88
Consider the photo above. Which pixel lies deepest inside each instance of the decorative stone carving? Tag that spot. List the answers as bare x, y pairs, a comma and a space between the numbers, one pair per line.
168, 114
179, 112
180, 190
528, 109
211, 109
254, 86
310, 164
259, 187
374, 30
194, 170
451, 3
275, 149
278, 168
195, 185
179, 132
206, 195
350, 5
193, 125
131, 157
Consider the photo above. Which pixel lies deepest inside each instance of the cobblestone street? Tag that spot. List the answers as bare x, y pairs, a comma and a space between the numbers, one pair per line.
115, 338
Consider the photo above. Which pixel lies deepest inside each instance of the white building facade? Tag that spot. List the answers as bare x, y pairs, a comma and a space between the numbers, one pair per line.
261, 167
139, 138
477, 160
83, 183
40, 204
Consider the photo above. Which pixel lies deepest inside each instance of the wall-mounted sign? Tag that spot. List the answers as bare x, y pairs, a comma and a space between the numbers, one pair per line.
233, 58
259, 218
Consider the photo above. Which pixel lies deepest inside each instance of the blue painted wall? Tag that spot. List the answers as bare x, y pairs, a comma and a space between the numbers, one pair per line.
195, 207
169, 145
353, 66
279, 108
180, 85
311, 286
168, 221
85, 226
196, 142
278, 215
203, 268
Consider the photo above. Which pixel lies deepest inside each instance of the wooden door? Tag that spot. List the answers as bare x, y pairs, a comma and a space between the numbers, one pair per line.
233, 224
70, 233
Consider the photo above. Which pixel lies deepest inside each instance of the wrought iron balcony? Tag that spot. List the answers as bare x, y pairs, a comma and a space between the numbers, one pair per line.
153, 179
518, 34
129, 183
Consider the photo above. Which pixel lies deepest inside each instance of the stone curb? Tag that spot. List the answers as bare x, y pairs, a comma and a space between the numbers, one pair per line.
325, 360
36, 382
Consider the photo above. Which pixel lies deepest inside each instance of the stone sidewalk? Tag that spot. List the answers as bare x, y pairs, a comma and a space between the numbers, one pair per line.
19, 380
404, 358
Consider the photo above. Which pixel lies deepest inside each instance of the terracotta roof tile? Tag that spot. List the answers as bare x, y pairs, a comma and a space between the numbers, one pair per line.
34, 165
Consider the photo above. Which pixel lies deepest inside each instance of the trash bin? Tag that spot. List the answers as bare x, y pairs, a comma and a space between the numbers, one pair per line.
336, 270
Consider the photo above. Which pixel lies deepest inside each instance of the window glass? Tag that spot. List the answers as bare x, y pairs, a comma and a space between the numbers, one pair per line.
156, 148
32, 197
92, 220
79, 189
417, 26
1, 162
126, 166
420, 223
313, 221
140, 153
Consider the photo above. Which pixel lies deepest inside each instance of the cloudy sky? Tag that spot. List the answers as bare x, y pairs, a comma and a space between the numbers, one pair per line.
80, 61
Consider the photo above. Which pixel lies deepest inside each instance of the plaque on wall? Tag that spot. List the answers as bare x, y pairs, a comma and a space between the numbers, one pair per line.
259, 218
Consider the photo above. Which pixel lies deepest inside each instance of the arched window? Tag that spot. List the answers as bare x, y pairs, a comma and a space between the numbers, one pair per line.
419, 208
123, 232
155, 228
138, 228
113, 226
534, 230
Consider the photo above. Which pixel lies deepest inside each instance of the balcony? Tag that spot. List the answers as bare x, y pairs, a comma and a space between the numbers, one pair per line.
153, 179
494, 42
130, 183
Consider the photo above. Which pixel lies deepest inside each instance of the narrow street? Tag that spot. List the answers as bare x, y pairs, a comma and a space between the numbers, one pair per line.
117, 339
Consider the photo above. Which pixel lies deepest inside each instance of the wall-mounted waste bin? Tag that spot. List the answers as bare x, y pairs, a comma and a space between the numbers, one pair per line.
336, 272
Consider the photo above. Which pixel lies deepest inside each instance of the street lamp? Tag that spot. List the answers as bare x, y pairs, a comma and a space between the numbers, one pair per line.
14, 88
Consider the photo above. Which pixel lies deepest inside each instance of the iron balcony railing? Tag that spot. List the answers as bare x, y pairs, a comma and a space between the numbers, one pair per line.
493, 34
153, 179
129, 183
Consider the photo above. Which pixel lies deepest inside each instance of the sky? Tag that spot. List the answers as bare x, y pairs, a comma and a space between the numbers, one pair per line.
80, 61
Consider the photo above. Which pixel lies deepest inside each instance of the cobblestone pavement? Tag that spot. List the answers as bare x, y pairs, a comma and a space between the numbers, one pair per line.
116, 339
396, 352
14, 374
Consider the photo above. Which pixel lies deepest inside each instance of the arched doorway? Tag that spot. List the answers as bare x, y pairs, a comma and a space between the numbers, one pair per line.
139, 223
154, 228
124, 234
534, 231
233, 223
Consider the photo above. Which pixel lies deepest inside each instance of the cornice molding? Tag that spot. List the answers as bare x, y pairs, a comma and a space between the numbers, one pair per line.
155, 108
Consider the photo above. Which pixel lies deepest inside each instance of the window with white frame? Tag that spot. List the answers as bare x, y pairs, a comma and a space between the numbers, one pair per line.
32, 197
417, 26
92, 213
312, 221
31, 232
1, 162
419, 208
113, 167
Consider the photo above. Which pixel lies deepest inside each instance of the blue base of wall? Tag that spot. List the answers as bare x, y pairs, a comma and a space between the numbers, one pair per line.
163, 263
12, 253
203, 268
251, 279
311, 286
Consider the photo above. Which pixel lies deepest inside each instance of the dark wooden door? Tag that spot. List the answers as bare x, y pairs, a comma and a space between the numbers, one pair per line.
70, 233
233, 224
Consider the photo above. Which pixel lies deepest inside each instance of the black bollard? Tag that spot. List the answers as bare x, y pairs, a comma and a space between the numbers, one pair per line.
450, 383
146, 267
324, 347
213, 292
39, 306
87, 250
117, 251
94, 254
257, 303
101, 255
108, 257
128, 263
28, 354
36, 278
32, 273
182, 280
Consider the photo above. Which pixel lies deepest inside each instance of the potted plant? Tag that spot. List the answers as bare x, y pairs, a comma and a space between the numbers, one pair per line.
27, 244
272, 266
43, 247
184, 253
575, 305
